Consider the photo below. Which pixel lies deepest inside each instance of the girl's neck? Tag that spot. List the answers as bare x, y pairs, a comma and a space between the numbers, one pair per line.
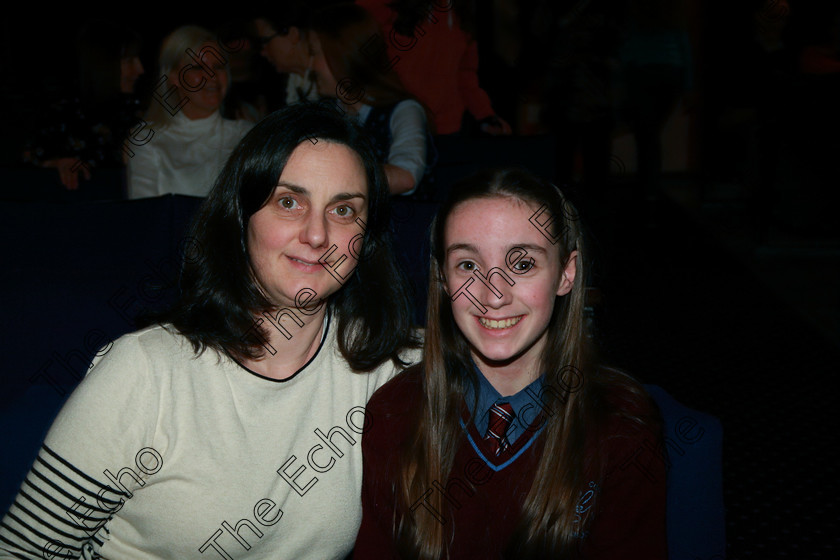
507, 379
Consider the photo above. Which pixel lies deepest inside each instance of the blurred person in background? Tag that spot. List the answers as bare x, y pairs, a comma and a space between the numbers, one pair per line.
370, 92
188, 141
431, 47
283, 39
657, 69
86, 130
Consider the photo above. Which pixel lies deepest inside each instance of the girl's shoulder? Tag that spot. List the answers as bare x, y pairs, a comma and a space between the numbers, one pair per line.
400, 394
628, 408
394, 408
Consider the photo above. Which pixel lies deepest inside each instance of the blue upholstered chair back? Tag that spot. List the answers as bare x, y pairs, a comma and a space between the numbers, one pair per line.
693, 442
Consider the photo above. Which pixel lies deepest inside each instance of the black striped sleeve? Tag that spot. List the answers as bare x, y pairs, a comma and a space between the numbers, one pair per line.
59, 508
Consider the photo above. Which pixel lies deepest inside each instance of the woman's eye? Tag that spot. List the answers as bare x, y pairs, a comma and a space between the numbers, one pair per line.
344, 211
288, 203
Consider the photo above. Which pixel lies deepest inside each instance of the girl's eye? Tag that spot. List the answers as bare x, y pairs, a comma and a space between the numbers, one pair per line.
469, 266
524, 265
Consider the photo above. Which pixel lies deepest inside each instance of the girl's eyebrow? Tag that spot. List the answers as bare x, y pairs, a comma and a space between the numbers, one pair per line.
461, 247
305, 192
529, 247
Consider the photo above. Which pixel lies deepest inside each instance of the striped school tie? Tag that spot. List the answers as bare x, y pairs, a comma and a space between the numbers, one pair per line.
501, 415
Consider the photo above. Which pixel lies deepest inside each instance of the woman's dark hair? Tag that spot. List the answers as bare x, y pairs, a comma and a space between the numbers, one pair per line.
101, 46
220, 297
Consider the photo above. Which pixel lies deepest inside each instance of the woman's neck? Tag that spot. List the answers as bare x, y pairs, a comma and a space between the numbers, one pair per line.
197, 114
283, 357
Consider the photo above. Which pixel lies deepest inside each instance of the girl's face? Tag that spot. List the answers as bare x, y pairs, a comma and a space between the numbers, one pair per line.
309, 224
491, 241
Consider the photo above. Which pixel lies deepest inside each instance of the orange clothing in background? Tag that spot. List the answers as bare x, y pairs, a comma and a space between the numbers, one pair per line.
439, 65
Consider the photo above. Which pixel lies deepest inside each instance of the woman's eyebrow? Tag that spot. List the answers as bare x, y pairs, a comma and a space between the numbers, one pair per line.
348, 196
292, 187
304, 191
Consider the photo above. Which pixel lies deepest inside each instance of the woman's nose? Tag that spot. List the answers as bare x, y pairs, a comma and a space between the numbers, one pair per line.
314, 232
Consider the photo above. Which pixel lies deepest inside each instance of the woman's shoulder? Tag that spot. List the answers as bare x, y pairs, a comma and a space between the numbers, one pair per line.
407, 108
241, 126
144, 347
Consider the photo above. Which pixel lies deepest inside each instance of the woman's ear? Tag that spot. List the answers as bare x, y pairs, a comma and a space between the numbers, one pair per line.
294, 35
567, 279
313, 42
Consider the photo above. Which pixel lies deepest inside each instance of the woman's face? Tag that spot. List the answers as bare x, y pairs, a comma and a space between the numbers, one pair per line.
323, 76
492, 241
300, 240
278, 49
130, 69
205, 92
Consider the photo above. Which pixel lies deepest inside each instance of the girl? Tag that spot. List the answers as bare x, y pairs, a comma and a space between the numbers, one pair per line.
509, 440
232, 428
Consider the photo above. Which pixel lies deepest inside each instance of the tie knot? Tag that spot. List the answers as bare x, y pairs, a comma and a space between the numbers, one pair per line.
500, 417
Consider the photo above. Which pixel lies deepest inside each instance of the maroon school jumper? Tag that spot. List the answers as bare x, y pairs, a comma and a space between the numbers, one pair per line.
485, 493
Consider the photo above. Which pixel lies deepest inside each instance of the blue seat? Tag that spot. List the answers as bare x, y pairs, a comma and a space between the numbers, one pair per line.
695, 511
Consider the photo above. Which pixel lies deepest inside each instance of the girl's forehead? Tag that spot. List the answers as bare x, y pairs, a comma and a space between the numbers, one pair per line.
497, 211
490, 224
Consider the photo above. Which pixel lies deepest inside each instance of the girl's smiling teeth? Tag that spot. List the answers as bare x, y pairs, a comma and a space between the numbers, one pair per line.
500, 324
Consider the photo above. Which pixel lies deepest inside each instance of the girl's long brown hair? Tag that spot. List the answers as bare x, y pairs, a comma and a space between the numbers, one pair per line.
549, 525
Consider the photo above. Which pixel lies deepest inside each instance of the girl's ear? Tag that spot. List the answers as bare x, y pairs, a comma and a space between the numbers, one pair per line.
567, 280
440, 276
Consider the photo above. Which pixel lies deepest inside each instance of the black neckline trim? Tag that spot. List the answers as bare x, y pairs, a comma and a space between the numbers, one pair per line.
303, 367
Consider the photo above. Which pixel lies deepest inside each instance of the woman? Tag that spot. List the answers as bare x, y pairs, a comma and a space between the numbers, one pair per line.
87, 131
284, 40
509, 441
233, 428
187, 140
348, 68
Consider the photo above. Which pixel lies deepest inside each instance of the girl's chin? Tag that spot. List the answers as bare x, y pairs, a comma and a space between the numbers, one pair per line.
495, 358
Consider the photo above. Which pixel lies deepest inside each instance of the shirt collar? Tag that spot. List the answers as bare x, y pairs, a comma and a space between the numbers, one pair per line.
488, 395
